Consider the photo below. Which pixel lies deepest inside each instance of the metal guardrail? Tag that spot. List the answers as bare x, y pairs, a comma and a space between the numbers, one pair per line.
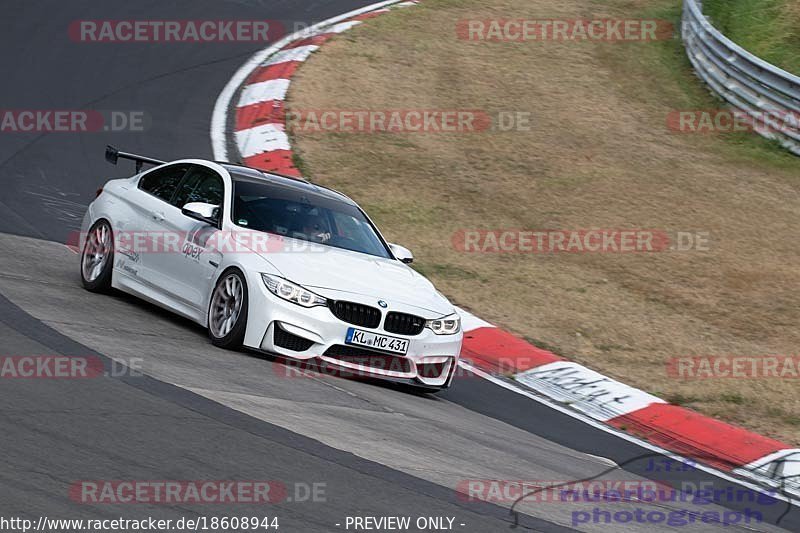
770, 96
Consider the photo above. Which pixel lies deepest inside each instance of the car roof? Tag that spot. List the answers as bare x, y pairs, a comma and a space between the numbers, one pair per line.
241, 172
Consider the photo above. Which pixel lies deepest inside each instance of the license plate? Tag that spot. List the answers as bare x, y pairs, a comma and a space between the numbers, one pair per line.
375, 341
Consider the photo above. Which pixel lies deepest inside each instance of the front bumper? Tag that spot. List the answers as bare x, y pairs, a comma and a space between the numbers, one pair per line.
430, 361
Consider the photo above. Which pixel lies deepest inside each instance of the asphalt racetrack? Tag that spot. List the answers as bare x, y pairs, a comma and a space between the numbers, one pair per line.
173, 407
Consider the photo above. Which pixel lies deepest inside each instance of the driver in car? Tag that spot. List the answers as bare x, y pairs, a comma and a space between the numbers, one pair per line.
316, 229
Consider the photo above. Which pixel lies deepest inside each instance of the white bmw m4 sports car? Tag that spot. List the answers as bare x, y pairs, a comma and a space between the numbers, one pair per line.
270, 263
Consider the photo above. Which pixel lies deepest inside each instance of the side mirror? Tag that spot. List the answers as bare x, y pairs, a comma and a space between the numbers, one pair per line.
208, 213
401, 253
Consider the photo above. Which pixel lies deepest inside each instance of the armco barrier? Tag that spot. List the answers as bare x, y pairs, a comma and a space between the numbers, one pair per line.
765, 92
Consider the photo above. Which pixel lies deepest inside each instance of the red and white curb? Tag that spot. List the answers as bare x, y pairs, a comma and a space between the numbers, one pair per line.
250, 110
248, 124
618, 405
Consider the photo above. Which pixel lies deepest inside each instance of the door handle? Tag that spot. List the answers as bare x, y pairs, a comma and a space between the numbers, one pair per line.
159, 217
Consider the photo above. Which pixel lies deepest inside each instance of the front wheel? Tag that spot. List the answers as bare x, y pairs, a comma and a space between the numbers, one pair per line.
227, 313
97, 258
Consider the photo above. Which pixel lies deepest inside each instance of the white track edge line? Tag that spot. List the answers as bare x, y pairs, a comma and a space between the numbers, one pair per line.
219, 117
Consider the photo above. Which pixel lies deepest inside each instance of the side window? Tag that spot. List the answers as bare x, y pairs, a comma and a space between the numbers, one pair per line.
200, 185
163, 182
185, 190
791, 468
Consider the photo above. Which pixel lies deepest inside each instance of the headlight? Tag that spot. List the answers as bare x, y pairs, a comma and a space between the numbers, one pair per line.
292, 292
449, 325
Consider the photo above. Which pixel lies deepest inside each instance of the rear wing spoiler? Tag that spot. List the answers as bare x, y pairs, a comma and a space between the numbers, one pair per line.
112, 155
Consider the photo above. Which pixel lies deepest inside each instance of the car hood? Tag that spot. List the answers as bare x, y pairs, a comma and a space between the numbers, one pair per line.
343, 271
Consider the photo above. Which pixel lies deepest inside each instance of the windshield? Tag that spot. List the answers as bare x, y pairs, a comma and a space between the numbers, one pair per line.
304, 215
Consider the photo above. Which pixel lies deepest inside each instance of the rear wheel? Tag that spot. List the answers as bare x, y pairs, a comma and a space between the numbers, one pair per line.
227, 313
97, 258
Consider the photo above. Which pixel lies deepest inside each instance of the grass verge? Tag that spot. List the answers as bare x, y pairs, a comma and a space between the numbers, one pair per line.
769, 29
598, 155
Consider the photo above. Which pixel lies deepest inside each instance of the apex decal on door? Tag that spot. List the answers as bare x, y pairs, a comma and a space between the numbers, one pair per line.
191, 251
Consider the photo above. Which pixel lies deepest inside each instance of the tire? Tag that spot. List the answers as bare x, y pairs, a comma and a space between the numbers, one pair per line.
227, 310
97, 258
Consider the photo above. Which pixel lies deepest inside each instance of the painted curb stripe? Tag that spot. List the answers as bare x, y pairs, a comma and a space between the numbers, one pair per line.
671, 427
218, 130
707, 439
279, 161
270, 112
263, 91
264, 138
641, 414
259, 130
297, 53
499, 352
315, 40
370, 15
343, 26
273, 72
588, 391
